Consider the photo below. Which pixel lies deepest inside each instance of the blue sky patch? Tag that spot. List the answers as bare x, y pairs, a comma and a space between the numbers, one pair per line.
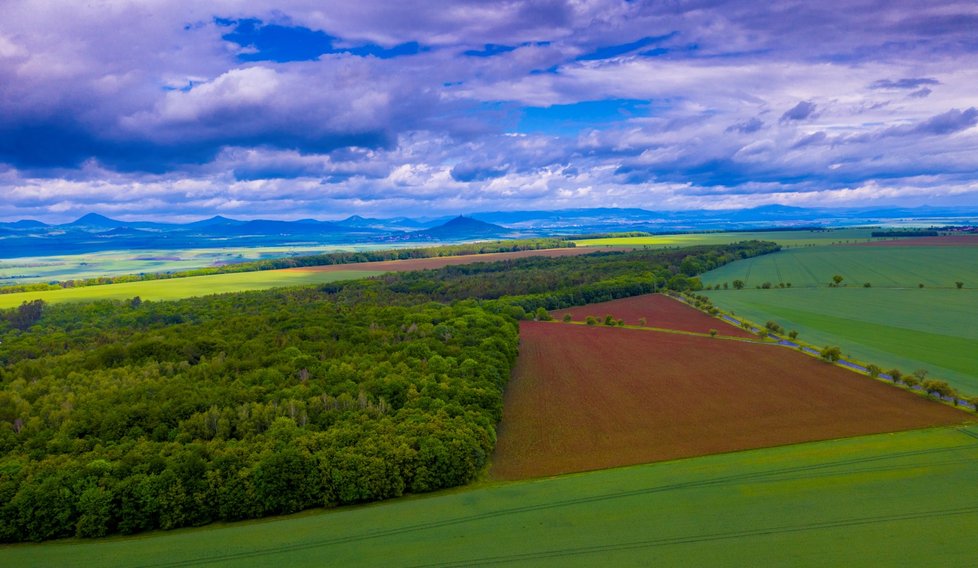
571, 118
273, 42
624, 48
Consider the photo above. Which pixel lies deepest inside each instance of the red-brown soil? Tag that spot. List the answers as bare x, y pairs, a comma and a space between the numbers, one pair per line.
584, 398
442, 261
949, 241
658, 311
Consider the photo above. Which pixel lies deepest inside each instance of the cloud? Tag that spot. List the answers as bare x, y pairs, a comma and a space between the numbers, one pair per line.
380, 108
909, 83
800, 111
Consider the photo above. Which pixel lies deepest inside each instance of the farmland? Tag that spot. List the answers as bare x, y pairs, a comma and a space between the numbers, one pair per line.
177, 288
658, 311
880, 266
185, 287
893, 499
893, 323
584, 398
783, 238
115, 263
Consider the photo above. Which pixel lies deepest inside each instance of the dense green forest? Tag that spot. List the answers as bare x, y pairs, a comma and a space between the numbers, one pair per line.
325, 259
130, 416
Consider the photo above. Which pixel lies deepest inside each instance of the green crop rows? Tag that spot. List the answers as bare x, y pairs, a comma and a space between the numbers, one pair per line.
895, 499
892, 323
888, 267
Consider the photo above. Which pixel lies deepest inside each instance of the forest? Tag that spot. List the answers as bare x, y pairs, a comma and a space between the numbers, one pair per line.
126, 416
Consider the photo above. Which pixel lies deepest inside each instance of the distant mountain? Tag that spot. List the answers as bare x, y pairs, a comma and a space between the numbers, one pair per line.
123, 232
25, 224
461, 228
214, 221
395, 224
95, 221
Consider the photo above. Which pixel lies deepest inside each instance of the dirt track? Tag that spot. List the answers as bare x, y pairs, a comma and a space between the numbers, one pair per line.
584, 398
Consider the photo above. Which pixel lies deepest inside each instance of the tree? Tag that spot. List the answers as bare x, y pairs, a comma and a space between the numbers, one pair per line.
837, 279
642, 322
896, 375
738, 284
939, 389
920, 374
831, 353
713, 333
542, 314
591, 320
609, 320
873, 370
959, 284
793, 334
27, 314
867, 285
567, 318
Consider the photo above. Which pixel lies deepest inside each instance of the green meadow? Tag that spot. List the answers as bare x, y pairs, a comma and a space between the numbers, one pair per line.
931, 329
784, 238
887, 267
178, 288
896, 499
892, 323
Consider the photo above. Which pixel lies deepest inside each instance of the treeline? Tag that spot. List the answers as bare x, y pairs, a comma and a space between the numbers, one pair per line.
129, 416
324, 259
913, 233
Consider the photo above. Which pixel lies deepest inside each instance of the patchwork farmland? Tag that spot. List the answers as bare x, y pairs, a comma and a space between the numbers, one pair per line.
917, 312
592, 397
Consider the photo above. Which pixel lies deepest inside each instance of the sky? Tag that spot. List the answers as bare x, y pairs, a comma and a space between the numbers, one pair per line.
167, 110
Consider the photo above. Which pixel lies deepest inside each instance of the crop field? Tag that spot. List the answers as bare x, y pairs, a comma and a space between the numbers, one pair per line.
658, 310
784, 238
880, 266
942, 241
894, 499
116, 263
932, 329
584, 398
178, 288
893, 323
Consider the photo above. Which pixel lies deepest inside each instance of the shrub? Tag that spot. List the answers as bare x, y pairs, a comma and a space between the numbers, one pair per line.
591, 320
567, 318
831, 353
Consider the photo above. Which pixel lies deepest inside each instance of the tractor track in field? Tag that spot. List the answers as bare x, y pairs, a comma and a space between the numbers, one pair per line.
711, 537
776, 474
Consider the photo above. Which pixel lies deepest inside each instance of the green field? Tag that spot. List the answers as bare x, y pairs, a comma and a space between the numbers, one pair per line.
117, 263
895, 499
177, 288
905, 328
784, 238
890, 266
893, 323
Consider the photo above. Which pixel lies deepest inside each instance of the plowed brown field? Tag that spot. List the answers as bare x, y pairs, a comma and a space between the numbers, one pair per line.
584, 398
658, 311
442, 261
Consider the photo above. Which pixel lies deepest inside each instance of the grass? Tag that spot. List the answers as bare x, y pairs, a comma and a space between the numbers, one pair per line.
887, 267
178, 288
894, 323
895, 499
784, 238
909, 329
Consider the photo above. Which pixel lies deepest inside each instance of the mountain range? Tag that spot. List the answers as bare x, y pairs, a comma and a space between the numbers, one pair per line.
94, 232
